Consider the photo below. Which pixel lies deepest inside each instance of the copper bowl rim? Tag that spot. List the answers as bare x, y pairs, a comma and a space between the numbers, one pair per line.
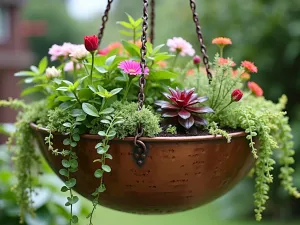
151, 139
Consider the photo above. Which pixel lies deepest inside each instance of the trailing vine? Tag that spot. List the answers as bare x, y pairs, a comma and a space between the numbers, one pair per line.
102, 149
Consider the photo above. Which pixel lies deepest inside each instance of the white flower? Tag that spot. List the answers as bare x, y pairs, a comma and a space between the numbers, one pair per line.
181, 46
52, 72
78, 52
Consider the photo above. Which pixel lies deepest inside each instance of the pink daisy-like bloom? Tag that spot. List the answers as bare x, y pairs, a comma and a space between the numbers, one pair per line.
223, 61
132, 68
249, 66
55, 51
181, 46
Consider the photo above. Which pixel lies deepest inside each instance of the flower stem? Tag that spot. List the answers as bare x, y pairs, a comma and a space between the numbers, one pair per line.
75, 71
198, 79
91, 74
74, 92
221, 51
102, 105
134, 35
129, 83
225, 106
175, 59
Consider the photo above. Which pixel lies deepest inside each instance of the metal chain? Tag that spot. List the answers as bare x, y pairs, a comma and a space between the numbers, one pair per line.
104, 20
152, 33
142, 82
200, 38
140, 151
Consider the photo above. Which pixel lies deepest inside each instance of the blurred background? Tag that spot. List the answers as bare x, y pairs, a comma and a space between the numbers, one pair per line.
264, 31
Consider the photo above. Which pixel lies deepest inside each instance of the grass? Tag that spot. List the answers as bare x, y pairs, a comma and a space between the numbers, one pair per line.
206, 215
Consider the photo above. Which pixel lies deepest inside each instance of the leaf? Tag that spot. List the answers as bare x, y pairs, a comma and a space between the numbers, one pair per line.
102, 150
131, 48
66, 105
73, 144
102, 133
138, 22
67, 124
101, 189
106, 168
64, 189
98, 145
76, 137
31, 90
74, 219
62, 89
162, 57
119, 122
85, 94
64, 172
34, 69
108, 156
43, 65
112, 133
77, 112
116, 91
71, 183
29, 80
65, 163
64, 98
162, 75
105, 121
68, 82
74, 163
149, 48
131, 20
101, 69
98, 173
67, 141
107, 111
110, 60
25, 74
126, 33
81, 118
92, 89
90, 109
157, 48
125, 24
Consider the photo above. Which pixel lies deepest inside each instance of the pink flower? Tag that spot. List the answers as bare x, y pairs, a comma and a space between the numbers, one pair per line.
223, 61
103, 51
63, 51
249, 66
197, 60
70, 66
132, 67
181, 46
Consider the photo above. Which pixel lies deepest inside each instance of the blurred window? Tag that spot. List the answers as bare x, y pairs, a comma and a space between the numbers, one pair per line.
4, 25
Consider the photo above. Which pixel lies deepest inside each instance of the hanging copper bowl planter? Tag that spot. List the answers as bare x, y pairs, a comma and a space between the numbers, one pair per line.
179, 173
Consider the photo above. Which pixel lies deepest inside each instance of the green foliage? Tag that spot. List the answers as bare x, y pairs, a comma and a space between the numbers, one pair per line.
171, 129
102, 149
128, 111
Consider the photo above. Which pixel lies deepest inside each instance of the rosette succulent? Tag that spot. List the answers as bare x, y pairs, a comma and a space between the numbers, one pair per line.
183, 107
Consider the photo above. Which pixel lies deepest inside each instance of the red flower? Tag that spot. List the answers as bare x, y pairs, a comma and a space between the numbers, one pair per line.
222, 41
255, 88
223, 61
91, 43
236, 95
249, 66
182, 107
197, 60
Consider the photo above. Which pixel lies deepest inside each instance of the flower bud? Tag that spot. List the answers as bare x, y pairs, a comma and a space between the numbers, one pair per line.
197, 60
91, 43
236, 95
52, 72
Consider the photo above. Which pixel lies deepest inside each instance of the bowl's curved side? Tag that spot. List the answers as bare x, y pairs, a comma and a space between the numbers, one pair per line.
177, 175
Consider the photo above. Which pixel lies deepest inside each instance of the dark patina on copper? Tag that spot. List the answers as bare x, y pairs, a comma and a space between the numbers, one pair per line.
181, 172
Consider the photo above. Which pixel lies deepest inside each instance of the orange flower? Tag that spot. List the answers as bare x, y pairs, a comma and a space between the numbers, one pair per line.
162, 64
222, 41
245, 76
190, 72
249, 66
115, 45
255, 88
235, 73
223, 61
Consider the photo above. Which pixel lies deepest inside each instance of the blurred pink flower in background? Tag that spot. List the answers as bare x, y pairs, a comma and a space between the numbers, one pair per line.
181, 46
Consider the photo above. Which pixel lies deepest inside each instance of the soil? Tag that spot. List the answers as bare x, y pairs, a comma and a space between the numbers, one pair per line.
195, 132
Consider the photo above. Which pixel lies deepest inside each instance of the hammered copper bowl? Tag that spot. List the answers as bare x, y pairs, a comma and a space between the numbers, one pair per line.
180, 173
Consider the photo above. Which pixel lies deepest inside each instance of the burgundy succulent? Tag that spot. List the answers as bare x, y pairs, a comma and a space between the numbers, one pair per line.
183, 107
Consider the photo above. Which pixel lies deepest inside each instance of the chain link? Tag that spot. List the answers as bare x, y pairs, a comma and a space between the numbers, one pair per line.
104, 20
152, 32
200, 38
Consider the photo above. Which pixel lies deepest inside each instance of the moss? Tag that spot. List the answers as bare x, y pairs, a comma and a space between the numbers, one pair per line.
146, 117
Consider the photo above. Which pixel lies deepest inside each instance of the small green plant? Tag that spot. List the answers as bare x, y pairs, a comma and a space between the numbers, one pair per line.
171, 129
